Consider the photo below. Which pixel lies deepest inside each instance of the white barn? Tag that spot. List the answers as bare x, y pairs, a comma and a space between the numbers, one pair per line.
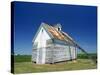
51, 45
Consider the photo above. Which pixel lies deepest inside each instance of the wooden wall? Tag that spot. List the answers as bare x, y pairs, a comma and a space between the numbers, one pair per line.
57, 53
34, 55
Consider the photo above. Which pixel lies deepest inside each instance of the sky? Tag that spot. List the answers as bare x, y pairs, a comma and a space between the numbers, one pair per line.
80, 22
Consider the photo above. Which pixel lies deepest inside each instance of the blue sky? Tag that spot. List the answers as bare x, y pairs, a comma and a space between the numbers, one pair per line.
80, 22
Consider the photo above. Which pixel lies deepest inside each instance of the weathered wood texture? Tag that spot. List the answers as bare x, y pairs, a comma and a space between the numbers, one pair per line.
56, 53
34, 55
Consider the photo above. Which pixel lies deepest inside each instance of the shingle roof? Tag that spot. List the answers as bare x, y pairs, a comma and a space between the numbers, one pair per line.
60, 35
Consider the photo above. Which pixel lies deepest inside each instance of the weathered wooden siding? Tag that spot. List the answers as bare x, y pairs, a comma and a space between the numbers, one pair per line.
58, 53
61, 53
55, 53
40, 58
34, 55
73, 52
49, 55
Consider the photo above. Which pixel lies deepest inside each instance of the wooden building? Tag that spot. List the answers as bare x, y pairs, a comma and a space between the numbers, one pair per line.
51, 44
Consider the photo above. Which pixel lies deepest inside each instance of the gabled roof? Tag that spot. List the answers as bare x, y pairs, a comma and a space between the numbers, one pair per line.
55, 34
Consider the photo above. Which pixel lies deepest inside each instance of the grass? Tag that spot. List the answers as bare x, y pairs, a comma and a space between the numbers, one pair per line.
22, 58
29, 67
27, 58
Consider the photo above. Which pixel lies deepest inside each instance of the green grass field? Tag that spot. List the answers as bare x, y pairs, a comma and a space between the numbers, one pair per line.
26, 66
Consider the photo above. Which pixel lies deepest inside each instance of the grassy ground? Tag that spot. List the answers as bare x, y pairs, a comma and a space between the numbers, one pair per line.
29, 67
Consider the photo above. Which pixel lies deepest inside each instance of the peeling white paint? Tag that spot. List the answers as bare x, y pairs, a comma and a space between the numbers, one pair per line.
41, 40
